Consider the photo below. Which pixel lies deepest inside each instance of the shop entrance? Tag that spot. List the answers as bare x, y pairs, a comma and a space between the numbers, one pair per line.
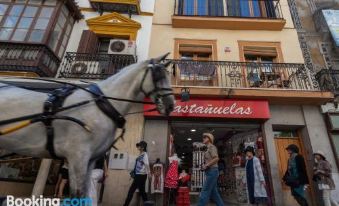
231, 140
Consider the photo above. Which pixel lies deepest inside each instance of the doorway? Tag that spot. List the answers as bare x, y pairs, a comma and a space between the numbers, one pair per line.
231, 139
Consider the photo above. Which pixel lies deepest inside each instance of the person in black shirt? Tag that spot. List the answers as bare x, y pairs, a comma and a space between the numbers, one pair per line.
98, 174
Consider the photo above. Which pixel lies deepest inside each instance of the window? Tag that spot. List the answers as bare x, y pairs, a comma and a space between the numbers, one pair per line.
243, 8
62, 32
197, 71
103, 45
333, 124
335, 138
263, 72
31, 20
25, 20
25, 169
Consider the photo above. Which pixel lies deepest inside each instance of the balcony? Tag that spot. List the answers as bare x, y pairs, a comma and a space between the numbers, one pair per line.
120, 6
35, 59
229, 14
329, 80
275, 82
240, 75
92, 66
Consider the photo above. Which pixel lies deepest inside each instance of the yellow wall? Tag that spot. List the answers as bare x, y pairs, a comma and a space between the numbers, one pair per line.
163, 35
119, 181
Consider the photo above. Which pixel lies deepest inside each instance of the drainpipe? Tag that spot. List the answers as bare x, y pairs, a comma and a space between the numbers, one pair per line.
40, 182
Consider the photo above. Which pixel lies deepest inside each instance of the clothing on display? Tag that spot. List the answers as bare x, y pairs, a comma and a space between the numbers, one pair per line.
198, 176
157, 185
183, 196
172, 176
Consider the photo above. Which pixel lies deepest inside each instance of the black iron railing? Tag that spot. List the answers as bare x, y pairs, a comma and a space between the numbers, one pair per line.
28, 58
229, 8
328, 80
240, 75
93, 66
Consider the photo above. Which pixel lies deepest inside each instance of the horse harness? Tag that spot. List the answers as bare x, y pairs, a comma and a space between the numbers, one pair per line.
56, 99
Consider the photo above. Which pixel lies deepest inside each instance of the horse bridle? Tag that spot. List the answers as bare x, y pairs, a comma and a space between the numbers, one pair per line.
158, 72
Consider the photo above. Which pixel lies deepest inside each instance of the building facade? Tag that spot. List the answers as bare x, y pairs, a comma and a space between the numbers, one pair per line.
69, 40
317, 23
241, 63
231, 53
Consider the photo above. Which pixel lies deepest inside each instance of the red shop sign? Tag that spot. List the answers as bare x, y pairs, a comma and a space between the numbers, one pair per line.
238, 109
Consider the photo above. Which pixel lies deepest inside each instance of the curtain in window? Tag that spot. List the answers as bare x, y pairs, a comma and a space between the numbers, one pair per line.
202, 7
270, 10
233, 7
245, 8
216, 8
186, 7
256, 8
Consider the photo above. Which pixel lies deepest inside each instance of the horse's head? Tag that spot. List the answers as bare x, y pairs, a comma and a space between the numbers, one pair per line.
157, 86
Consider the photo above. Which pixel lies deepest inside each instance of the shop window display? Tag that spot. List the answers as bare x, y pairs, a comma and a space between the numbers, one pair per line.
231, 141
20, 168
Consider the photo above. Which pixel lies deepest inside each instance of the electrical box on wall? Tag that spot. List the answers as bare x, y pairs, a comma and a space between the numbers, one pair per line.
118, 160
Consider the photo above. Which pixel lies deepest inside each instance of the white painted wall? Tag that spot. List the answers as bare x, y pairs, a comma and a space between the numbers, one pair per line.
144, 34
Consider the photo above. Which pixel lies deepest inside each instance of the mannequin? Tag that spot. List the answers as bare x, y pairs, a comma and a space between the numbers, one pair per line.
157, 185
174, 158
183, 196
172, 176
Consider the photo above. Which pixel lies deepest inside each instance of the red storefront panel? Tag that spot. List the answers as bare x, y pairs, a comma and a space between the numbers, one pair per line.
216, 108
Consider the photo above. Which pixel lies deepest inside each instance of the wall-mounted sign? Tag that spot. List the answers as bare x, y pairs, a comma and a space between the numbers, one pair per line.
227, 49
214, 108
332, 19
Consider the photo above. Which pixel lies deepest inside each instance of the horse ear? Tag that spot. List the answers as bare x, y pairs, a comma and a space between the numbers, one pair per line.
167, 63
161, 58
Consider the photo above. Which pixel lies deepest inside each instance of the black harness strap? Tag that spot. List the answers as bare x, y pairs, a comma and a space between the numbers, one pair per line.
106, 107
51, 106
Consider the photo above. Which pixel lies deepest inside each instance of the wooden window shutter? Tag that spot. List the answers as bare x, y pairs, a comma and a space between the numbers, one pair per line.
265, 51
88, 42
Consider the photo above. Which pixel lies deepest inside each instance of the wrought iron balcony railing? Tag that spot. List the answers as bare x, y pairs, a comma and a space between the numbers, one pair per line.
240, 75
329, 80
93, 66
229, 8
15, 57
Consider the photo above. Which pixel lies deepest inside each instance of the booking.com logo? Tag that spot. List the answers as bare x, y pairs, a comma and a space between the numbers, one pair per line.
41, 201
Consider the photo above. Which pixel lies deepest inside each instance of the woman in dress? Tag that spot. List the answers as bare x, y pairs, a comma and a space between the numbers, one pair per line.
256, 185
323, 177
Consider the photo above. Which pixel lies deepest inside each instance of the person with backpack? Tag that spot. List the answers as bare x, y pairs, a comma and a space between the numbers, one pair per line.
296, 175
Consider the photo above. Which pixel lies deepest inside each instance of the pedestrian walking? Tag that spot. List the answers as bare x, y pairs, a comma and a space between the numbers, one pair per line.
210, 187
296, 175
139, 174
323, 177
99, 173
256, 185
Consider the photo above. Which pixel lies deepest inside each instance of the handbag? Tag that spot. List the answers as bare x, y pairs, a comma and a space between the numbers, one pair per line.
291, 181
132, 174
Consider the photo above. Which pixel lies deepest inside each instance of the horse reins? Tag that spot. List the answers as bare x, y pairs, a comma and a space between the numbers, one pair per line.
53, 105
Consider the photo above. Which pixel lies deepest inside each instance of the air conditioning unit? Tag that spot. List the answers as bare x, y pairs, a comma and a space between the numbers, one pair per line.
120, 46
85, 67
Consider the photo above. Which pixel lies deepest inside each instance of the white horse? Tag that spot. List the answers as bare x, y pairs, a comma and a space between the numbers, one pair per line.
80, 147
